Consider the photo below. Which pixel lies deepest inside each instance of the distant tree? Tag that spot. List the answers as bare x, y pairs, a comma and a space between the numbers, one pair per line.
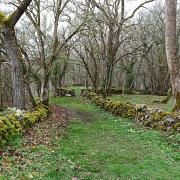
49, 44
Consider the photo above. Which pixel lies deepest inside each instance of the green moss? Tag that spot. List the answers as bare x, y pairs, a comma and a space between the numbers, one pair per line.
162, 127
2, 18
158, 116
8, 19
148, 117
177, 125
11, 126
5, 19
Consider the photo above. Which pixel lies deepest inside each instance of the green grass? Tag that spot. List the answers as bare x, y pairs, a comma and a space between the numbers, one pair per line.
145, 99
112, 147
106, 148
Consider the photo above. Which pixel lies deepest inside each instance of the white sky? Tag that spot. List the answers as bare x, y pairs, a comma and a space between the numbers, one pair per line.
129, 4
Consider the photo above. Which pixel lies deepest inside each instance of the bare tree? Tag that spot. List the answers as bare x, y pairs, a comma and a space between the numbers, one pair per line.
48, 44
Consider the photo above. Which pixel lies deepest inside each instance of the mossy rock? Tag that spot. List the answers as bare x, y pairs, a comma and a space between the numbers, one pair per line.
176, 126
169, 120
11, 126
154, 118
147, 123
162, 127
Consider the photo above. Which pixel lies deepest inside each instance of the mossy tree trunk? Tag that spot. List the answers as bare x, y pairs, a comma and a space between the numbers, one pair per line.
13, 53
14, 56
168, 97
177, 100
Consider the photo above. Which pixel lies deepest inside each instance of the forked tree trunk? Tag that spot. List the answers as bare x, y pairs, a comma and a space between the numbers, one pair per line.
171, 50
14, 56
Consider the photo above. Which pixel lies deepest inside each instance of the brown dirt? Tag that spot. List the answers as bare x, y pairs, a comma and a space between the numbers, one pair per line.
83, 116
43, 132
54, 126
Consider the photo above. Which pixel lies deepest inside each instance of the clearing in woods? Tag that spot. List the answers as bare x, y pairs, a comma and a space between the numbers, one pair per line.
94, 145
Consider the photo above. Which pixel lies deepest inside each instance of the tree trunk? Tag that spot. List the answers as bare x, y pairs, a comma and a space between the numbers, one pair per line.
171, 50
168, 97
14, 57
31, 97
108, 80
1, 96
45, 90
62, 74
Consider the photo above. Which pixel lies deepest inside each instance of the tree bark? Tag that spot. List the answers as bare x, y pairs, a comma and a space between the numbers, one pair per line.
14, 56
13, 53
168, 97
45, 89
171, 50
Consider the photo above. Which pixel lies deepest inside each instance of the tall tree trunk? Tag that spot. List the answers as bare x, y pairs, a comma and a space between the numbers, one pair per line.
168, 97
14, 56
108, 80
31, 97
62, 75
45, 89
171, 50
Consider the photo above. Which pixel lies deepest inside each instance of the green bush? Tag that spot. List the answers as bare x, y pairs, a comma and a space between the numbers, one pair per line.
12, 125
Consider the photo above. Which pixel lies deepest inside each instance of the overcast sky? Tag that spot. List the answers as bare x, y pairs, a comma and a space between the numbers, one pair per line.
129, 4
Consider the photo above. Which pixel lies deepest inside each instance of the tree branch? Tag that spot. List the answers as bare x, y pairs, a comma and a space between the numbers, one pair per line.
135, 10
16, 15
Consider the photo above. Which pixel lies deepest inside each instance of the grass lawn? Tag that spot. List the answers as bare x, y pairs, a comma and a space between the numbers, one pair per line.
96, 145
145, 99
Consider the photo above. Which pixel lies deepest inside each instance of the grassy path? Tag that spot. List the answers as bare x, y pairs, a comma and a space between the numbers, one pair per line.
110, 148
95, 146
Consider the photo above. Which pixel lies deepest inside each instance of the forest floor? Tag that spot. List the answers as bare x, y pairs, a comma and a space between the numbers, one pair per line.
81, 141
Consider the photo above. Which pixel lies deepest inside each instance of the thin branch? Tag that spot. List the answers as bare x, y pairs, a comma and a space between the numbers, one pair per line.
15, 16
135, 10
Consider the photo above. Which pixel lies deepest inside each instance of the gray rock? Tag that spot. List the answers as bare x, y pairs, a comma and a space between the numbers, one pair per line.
147, 116
169, 120
169, 128
178, 118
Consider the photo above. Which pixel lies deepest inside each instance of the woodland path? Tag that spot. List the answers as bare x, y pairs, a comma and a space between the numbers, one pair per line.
84, 142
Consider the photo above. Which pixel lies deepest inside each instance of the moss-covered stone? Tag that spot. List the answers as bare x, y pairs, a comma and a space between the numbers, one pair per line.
11, 126
153, 118
177, 126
